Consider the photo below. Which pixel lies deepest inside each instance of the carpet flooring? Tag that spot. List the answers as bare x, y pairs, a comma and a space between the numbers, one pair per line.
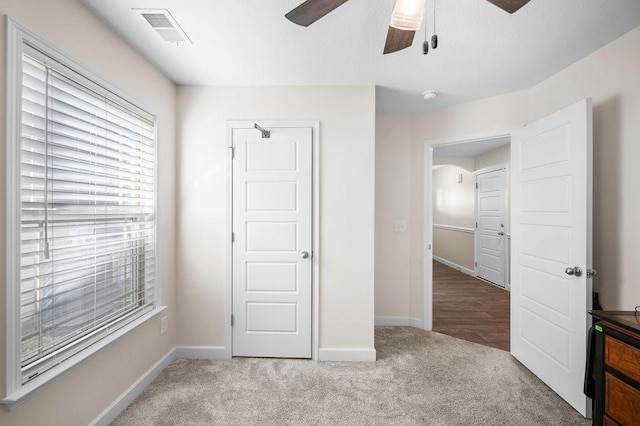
420, 378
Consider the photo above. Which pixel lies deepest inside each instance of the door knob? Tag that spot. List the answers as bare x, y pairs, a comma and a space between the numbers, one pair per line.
573, 271
304, 254
500, 233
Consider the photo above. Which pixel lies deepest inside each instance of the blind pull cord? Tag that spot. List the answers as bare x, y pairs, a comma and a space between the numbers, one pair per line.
46, 169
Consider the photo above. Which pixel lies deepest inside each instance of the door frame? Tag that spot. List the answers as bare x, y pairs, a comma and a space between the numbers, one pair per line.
315, 225
507, 222
427, 203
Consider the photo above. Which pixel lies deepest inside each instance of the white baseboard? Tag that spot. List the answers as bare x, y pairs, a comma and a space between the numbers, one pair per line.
416, 323
454, 266
201, 352
399, 322
127, 397
347, 354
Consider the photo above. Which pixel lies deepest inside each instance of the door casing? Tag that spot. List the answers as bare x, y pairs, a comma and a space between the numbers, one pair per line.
315, 226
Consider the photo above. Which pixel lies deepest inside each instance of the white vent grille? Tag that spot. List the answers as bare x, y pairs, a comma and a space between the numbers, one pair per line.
157, 20
164, 24
170, 35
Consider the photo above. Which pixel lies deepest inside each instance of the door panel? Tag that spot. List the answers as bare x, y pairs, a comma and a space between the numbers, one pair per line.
491, 219
551, 227
272, 226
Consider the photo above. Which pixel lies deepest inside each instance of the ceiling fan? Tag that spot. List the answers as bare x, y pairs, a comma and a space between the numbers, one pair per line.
405, 20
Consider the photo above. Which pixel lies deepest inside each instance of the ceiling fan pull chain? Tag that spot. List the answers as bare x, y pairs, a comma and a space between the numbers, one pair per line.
434, 37
425, 44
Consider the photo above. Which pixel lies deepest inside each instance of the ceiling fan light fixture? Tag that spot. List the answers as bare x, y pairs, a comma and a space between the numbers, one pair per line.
407, 15
429, 95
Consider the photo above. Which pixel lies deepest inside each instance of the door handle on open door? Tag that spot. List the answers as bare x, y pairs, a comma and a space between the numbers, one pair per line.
574, 271
304, 254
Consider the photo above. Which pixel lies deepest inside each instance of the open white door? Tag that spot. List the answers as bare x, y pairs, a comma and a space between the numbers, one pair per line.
551, 248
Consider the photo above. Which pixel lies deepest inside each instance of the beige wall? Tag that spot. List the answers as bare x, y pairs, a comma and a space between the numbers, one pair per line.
393, 162
347, 179
495, 157
454, 246
453, 203
82, 394
467, 163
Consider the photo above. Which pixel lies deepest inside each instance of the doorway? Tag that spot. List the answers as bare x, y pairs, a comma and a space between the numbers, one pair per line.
551, 212
469, 241
272, 291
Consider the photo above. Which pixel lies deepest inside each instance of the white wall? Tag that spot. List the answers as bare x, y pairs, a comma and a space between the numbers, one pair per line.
88, 389
347, 178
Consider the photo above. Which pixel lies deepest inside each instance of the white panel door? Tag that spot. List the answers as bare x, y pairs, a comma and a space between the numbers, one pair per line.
551, 237
491, 222
272, 205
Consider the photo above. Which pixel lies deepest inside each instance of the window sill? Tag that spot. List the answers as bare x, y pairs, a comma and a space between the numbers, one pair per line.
26, 391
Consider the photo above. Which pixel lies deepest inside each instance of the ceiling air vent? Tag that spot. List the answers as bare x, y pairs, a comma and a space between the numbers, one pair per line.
164, 24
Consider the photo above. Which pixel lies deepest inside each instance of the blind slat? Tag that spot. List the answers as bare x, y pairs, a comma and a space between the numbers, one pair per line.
87, 210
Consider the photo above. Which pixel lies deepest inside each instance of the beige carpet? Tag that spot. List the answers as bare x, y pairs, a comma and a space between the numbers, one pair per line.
420, 378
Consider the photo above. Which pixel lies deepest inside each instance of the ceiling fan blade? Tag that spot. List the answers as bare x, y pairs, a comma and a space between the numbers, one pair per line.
398, 40
312, 10
510, 6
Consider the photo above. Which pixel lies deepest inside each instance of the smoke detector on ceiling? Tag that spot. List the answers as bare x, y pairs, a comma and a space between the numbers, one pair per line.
429, 95
165, 25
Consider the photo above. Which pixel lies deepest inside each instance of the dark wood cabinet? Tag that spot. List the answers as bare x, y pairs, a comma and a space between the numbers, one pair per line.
617, 369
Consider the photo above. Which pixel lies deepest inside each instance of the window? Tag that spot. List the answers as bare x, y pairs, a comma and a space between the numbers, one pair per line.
83, 183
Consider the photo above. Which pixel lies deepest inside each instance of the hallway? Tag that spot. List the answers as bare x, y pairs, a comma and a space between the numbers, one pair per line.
469, 308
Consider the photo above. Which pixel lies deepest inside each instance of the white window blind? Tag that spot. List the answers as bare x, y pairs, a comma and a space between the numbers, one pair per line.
87, 203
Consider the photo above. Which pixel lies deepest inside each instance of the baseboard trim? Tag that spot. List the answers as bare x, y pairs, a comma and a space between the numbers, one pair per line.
127, 397
201, 352
399, 322
454, 266
416, 323
347, 354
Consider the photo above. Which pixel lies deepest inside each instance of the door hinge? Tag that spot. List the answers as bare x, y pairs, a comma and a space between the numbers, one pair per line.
233, 237
476, 264
476, 224
476, 185
233, 152
231, 320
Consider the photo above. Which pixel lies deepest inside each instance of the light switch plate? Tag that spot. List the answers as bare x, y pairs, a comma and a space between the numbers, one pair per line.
401, 226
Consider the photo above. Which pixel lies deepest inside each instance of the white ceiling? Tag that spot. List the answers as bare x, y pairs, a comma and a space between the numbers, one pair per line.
483, 51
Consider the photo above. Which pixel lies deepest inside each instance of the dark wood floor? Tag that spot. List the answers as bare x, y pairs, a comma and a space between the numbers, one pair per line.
469, 308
